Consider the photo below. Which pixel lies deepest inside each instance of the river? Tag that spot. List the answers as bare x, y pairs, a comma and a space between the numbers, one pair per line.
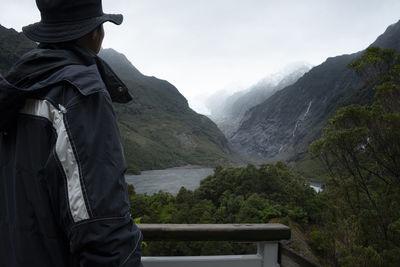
168, 180
171, 180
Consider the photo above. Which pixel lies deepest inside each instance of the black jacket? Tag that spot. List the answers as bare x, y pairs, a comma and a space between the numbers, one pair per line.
63, 197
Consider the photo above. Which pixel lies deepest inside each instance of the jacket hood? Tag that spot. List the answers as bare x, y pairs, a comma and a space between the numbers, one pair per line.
32, 74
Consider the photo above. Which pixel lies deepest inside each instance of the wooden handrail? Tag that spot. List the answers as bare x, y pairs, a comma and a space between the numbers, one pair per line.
215, 232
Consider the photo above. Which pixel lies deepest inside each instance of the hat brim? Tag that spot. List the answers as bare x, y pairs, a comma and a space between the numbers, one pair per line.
67, 31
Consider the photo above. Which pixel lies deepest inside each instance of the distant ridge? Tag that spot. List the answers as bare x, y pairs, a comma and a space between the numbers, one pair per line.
229, 112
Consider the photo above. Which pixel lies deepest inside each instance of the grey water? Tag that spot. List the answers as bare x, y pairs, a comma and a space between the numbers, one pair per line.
168, 180
171, 180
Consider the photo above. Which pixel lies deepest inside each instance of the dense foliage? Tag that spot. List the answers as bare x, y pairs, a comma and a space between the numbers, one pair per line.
361, 148
231, 195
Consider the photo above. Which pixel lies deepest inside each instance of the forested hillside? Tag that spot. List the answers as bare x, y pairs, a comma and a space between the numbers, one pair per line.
159, 128
361, 149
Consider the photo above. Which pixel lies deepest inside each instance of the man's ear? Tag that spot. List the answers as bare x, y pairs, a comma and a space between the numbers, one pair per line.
95, 34
98, 33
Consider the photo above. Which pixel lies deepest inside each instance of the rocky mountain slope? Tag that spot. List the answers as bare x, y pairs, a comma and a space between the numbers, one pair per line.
159, 129
286, 123
228, 112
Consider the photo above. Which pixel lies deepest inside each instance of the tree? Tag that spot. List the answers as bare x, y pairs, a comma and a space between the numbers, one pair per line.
361, 149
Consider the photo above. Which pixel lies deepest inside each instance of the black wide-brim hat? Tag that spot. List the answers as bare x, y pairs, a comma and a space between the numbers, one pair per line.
67, 20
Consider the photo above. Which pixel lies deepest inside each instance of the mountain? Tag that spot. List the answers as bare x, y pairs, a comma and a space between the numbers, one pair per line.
158, 128
286, 123
228, 112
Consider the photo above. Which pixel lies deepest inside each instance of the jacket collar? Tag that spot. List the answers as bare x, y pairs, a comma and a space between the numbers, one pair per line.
47, 59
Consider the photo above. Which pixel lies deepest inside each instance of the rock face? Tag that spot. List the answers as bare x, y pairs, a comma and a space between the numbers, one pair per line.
287, 122
229, 112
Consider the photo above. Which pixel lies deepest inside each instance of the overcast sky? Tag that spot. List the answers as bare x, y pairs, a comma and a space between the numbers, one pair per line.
202, 46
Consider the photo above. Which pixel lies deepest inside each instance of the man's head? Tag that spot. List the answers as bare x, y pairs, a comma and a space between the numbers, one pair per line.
69, 20
92, 40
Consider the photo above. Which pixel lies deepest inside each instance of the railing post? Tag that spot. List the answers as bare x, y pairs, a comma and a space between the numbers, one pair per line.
269, 253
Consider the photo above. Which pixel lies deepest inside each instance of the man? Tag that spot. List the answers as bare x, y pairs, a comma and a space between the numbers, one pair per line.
63, 197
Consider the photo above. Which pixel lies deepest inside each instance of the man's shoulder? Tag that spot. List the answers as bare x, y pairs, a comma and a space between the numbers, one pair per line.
86, 79
43, 67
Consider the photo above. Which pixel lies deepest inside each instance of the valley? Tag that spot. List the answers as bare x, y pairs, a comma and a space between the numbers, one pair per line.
335, 124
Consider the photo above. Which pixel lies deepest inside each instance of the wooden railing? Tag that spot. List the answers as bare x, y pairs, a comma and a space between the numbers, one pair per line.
267, 237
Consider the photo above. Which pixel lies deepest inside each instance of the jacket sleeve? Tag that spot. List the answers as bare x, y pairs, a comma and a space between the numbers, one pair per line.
101, 232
